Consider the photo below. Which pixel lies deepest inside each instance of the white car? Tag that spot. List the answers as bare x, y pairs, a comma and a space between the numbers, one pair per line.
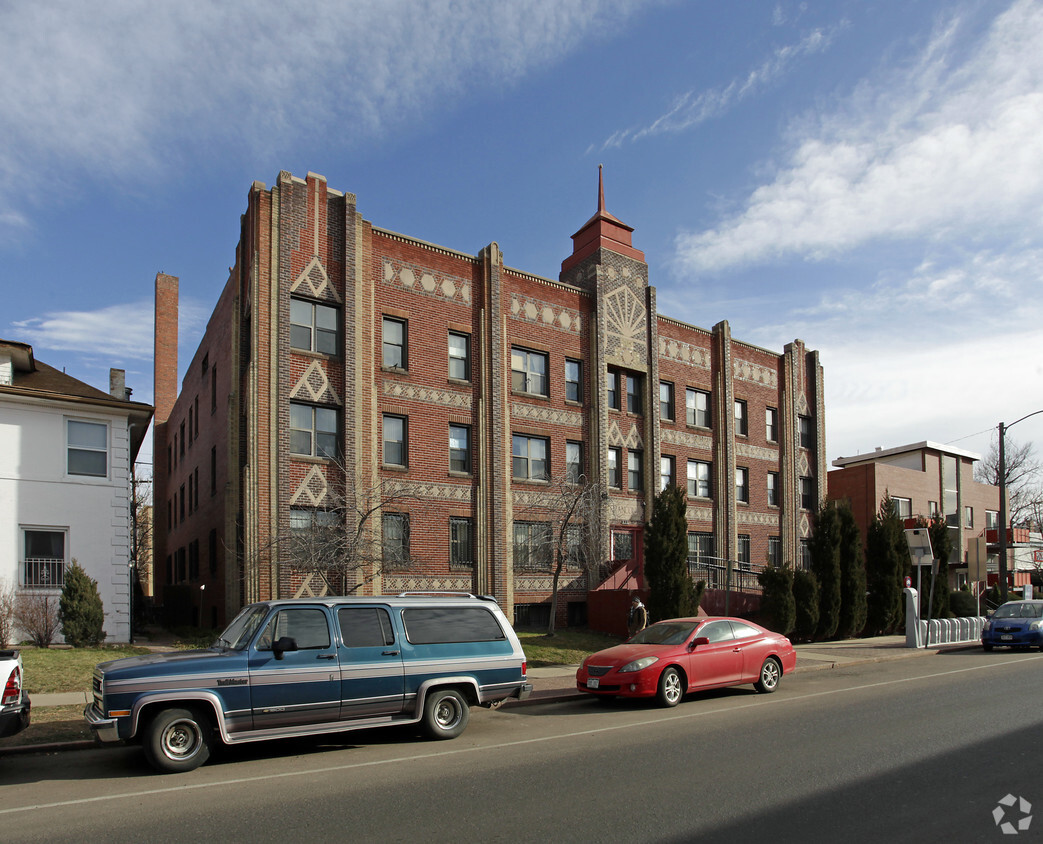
14, 704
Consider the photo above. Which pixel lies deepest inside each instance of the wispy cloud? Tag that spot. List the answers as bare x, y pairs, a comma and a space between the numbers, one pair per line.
129, 91
948, 147
697, 106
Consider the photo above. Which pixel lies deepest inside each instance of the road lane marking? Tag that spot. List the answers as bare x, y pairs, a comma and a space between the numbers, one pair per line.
760, 701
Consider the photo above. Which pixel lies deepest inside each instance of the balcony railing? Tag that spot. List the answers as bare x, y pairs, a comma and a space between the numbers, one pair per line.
45, 572
714, 571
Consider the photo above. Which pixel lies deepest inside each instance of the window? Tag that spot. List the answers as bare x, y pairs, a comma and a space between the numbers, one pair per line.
742, 550
308, 626
932, 509
437, 625
191, 422
699, 479
622, 545
666, 471
396, 540
615, 476
666, 401
903, 507
532, 546
634, 404
213, 470
195, 402
396, 440
807, 494
181, 503
206, 363
573, 380
775, 551
528, 372
742, 484
968, 517
459, 356
529, 458
365, 627
459, 448
181, 447
697, 408
700, 547
395, 333
573, 462
805, 554
807, 439
742, 424
307, 520
635, 471
461, 543
191, 499
313, 327
88, 448
44, 561
573, 546
773, 489
313, 430
213, 389
612, 385
771, 425
992, 519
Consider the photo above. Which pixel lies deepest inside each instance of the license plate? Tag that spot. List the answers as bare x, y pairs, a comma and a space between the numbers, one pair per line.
592, 682
1006, 637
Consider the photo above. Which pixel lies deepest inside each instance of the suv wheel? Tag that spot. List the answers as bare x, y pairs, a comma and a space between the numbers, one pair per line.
446, 713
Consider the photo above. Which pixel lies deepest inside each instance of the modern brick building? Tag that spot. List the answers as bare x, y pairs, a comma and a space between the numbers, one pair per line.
465, 384
924, 479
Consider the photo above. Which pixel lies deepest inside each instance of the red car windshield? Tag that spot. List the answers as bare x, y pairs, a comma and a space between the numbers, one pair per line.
665, 633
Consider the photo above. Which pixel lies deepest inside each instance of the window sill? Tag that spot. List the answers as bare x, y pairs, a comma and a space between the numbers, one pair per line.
459, 382
395, 370
310, 353
453, 474
523, 395
394, 467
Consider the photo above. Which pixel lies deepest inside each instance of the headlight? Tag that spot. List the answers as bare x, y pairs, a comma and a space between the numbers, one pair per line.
1036, 625
639, 664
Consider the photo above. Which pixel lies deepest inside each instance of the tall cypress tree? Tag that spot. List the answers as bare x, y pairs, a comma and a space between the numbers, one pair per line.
777, 602
671, 591
80, 609
805, 601
887, 561
825, 563
852, 575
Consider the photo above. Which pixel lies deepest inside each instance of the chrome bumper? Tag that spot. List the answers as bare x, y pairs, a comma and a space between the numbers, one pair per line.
105, 729
524, 691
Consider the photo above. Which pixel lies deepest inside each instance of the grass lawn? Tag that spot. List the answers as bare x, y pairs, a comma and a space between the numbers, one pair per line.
565, 647
52, 670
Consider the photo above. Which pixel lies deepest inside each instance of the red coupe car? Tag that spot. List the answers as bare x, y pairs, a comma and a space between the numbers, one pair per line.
683, 655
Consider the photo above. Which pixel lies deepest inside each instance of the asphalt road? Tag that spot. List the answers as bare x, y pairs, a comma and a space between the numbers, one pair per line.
912, 750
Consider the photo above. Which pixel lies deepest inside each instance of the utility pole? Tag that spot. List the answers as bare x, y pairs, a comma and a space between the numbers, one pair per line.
1003, 504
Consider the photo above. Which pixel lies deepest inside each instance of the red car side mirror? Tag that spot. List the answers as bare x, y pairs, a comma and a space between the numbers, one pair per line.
697, 641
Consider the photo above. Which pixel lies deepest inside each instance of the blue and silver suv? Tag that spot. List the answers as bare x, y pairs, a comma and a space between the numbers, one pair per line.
303, 667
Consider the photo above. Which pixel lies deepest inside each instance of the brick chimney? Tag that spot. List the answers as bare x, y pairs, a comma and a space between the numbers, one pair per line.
165, 350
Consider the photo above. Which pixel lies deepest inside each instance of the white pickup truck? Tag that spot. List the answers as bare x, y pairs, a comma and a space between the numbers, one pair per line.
14, 704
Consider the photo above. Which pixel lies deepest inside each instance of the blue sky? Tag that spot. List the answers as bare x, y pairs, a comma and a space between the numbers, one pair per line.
865, 176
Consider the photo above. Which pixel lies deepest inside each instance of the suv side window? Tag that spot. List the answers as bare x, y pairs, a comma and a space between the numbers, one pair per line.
365, 627
450, 624
307, 626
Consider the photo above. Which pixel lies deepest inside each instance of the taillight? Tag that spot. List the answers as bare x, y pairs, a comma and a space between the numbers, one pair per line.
13, 689
524, 666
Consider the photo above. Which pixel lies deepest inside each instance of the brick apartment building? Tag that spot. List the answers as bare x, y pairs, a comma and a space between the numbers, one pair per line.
466, 383
924, 479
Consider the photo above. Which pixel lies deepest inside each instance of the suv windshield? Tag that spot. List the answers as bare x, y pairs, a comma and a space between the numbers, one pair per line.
237, 635
1019, 610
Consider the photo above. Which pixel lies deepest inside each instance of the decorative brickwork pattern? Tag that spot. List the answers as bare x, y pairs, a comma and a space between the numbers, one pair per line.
429, 282
553, 316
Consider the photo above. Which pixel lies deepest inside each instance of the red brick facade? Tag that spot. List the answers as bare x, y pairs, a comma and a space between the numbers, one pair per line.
304, 245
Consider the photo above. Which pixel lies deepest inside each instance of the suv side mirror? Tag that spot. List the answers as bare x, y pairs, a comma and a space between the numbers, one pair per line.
282, 645
697, 641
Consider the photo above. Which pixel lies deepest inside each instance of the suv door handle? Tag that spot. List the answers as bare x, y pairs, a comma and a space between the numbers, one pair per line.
326, 656
390, 653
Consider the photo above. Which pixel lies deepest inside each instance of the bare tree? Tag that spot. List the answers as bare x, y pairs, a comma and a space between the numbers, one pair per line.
37, 614
1023, 475
571, 507
141, 526
340, 540
7, 613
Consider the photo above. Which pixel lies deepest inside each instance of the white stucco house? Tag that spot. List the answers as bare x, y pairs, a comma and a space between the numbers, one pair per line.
66, 453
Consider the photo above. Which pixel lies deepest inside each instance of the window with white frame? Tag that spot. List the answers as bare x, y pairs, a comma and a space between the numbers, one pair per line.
573, 380
612, 389
807, 493
622, 545
697, 407
807, 435
396, 440
313, 430
742, 423
742, 484
529, 458
43, 564
903, 507
771, 424
459, 448
667, 476
573, 461
313, 327
88, 448
775, 551
459, 356
633, 385
992, 519
635, 471
700, 547
742, 551
968, 517
615, 472
699, 479
773, 489
395, 339
532, 546
529, 372
666, 401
